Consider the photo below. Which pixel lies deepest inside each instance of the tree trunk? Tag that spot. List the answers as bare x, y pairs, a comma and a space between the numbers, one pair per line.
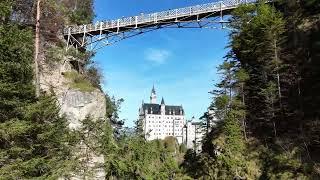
230, 89
273, 122
244, 115
36, 51
278, 75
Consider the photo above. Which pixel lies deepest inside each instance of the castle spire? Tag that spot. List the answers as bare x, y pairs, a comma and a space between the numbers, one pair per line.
153, 96
162, 101
153, 90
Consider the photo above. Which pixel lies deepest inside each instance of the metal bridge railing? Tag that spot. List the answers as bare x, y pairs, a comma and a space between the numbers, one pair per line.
159, 16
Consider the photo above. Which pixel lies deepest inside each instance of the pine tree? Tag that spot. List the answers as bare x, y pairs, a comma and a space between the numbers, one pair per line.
112, 114
256, 46
274, 48
35, 142
241, 77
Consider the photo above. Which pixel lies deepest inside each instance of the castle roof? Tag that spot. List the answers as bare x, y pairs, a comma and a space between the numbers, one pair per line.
156, 109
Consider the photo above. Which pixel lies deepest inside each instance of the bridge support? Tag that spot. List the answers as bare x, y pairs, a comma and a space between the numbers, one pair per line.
136, 21
84, 35
118, 26
68, 39
221, 13
100, 35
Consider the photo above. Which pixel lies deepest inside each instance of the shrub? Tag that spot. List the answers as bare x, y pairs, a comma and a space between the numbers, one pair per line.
78, 81
93, 75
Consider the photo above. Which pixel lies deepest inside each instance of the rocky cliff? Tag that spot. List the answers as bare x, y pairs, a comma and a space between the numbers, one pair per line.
62, 73
76, 104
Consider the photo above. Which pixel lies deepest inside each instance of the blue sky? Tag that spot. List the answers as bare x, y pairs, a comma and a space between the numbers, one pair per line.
181, 63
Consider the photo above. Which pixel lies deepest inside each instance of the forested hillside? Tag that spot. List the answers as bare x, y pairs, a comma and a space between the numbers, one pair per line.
267, 102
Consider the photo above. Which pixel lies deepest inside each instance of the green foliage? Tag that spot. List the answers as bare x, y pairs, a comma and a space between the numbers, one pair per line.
256, 47
170, 143
112, 114
55, 54
38, 144
91, 135
90, 77
262, 97
220, 103
35, 142
183, 148
16, 89
58, 53
229, 162
5, 9
78, 81
223, 154
134, 158
242, 76
82, 12
81, 56
55, 15
285, 165
130, 156
93, 75
233, 133
139, 128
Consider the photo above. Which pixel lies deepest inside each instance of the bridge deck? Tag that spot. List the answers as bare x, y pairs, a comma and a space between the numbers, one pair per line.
191, 13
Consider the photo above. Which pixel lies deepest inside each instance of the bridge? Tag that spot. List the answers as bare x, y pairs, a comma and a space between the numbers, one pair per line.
97, 35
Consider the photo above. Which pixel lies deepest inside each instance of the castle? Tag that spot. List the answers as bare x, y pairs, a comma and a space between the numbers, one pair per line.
160, 120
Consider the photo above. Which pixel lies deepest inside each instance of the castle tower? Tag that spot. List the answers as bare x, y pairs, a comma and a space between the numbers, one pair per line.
153, 96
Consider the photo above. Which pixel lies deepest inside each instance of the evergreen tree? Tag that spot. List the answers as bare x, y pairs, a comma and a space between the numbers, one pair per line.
112, 114
256, 47
268, 91
34, 139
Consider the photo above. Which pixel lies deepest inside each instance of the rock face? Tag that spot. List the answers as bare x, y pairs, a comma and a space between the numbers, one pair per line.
76, 105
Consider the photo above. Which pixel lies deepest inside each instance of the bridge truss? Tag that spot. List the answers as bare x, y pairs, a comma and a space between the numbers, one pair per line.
95, 36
